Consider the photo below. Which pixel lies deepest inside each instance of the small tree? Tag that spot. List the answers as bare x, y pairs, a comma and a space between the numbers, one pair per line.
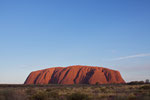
147, 81
97, 83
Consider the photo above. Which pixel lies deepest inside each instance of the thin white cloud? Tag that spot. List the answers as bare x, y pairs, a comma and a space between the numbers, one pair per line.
132, 56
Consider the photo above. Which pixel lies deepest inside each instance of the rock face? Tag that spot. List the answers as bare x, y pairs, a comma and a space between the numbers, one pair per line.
75, 75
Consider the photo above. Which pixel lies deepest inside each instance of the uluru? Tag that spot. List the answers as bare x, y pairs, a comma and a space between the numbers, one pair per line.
75, 75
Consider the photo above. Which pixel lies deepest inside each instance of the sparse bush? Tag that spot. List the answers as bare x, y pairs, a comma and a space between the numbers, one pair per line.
12, 94
49, 90
145, 87
96, 91
53, 94
8, 94
78, 96
102, 96
132, 97
119, 97
41, 95
76, 92
2, 97
103, 89
31, 91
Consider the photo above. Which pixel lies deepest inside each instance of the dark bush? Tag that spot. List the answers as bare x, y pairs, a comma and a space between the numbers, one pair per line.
78, 96
147, 81
49, 90
97, 83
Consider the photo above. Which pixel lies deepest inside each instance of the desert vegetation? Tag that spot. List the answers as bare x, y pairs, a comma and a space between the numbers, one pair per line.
75, 92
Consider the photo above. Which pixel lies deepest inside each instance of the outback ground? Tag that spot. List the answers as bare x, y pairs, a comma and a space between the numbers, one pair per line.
75, 92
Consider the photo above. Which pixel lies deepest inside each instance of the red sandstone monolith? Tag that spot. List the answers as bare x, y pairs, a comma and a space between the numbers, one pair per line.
75, 75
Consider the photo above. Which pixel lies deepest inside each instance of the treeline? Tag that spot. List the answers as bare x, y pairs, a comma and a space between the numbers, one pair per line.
139, 82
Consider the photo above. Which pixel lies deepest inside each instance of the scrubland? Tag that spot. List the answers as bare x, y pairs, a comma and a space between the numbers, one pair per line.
75, 92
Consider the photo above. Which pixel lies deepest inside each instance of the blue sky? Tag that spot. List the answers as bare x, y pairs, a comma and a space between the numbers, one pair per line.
38, 34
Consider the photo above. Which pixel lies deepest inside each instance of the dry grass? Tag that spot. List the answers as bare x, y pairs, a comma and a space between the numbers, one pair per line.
75, 92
